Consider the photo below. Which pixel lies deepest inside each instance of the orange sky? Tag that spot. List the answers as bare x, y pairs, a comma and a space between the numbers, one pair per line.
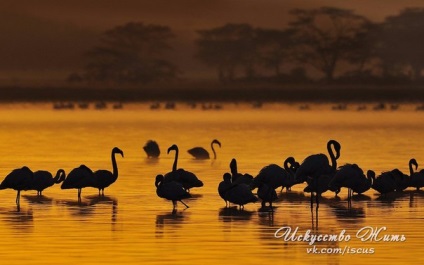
50, 35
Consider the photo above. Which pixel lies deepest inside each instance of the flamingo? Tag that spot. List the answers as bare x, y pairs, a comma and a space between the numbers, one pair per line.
240, 194
44, 179
416, 178
186, 178
389, 181
275, 176
238, 178
79, 178
316, 166
202, 153
152, 149
172, 190
351, 176
223, 186
19, 179
104, 178
266, 193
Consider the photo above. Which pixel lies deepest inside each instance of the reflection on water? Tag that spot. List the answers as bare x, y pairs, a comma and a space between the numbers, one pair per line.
143, 228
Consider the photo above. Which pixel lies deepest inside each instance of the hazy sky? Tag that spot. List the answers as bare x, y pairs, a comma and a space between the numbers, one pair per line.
46, 36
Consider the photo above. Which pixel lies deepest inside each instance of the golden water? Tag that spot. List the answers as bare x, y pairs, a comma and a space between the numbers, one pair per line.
131, 225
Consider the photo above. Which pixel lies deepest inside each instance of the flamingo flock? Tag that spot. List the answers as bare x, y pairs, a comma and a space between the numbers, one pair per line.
320, 172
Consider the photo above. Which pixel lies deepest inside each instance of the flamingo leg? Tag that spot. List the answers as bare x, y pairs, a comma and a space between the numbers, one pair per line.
183, 203
18, 195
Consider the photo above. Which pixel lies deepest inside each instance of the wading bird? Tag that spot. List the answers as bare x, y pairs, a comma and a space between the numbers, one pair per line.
104, 178
186, 178
19, 179
79, 178
152, 149
416, 178
202, 153
173, 191
44, 179
317, 166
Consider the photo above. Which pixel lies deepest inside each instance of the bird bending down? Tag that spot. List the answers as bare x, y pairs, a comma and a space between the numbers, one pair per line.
202, 153
351, 176
44, 179
416, 178
317, 166
79, 178
173, 191
152, 149
19, 179
275, 176
186, 178
104, 178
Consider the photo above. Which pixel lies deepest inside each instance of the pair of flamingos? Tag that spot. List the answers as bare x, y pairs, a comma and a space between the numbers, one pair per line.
81, 177
152, 150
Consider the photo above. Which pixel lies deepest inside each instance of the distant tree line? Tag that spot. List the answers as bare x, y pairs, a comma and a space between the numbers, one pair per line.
338, 44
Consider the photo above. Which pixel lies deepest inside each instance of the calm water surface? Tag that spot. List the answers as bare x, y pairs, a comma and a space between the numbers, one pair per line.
131, 225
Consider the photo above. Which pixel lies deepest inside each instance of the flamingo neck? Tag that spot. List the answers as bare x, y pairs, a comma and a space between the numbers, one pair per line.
213, 150
174, 166
332, 157
411, 170
114, 165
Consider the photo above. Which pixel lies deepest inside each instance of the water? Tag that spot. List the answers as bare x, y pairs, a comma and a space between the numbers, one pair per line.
131, 225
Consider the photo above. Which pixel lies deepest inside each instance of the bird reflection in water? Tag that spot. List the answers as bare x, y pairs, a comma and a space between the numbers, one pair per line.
230, 214
22, 220
38, 199
171, 220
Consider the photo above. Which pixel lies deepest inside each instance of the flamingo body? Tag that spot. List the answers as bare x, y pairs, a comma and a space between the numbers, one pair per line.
152, 149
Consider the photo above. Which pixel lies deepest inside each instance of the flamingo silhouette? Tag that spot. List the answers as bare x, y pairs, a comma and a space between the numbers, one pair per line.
79, 178
104, 178
351, 176
172, 190
152, 149
275, 176
223, 187
238, 178
240, 194
186, 178
266, 193
316, 166
44, 179
202, 153
389, 181
19, 179
416, 178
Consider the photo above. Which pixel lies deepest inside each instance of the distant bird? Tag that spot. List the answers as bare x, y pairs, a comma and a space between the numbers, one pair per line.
152, 149
238, 178
44, 179
173, 191
224, 186
19, 179
275, 176
79, 178
416, 178
104, 178
240, 194
351, 176
186, 178
316, 166
201, 153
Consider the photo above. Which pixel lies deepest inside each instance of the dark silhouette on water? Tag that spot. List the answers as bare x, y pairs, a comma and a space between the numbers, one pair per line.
19, 179
152, 149
171, 190
223, 187
186, 178
104, 178
351, 176
238, 178
44, 179
202, 153
416, 178
79, 178
394, 180
316, 166
275, 176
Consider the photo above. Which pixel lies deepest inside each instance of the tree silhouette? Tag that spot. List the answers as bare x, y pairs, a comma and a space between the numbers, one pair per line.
400, 46
326, 36
132, 53
227, 48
